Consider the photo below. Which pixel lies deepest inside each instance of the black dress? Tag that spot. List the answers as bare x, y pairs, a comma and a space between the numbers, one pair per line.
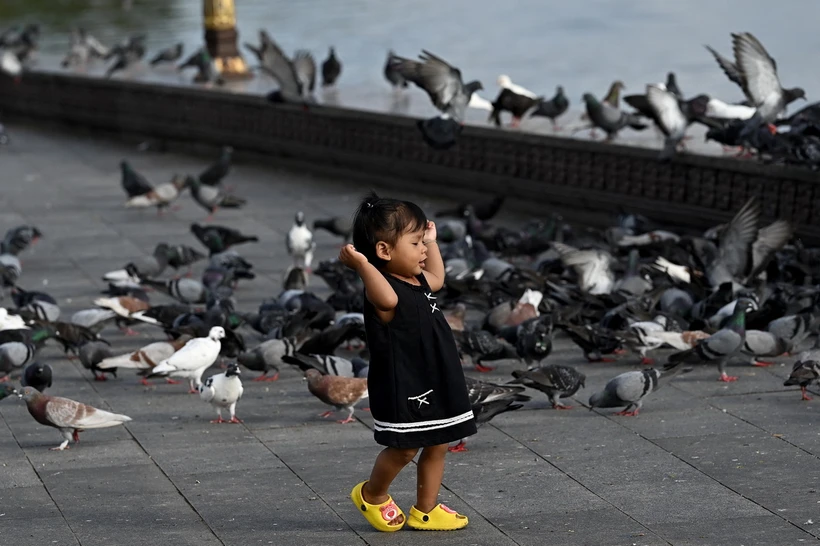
416, 386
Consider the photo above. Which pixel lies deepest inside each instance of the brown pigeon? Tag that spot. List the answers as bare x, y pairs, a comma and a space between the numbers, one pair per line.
67, 415
341, 392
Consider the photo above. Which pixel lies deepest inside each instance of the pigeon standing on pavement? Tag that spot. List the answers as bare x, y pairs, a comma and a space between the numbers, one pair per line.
223, 391
339, 392
300, 243
804, 371
219, 238
628, 389
553, 380
266, 357
211, 198
18, 239
193, 359
68, 416
38, 376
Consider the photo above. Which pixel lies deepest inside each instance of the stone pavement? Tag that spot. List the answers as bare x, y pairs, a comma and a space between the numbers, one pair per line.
704, 464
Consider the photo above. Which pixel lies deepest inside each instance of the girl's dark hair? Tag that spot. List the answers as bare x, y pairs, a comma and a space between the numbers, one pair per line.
383, 219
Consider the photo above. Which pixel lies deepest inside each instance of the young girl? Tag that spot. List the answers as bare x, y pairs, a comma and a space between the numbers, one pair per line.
418, 397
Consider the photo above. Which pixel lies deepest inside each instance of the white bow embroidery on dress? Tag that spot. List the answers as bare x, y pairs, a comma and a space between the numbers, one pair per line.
433, 304
421, 399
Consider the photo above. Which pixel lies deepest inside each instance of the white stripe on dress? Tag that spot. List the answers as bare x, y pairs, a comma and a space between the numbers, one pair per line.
422, 426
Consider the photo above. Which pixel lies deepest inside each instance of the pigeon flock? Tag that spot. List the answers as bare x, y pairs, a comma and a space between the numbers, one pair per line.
742, 293
757, 126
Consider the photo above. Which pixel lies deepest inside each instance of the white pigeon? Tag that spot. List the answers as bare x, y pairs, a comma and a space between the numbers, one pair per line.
193, 359
505, 82
11, 322
222, 391
10, 64
146, 357
300, 243
592, 267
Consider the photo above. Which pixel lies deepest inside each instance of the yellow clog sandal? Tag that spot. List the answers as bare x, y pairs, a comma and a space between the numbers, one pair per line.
439, 518
380, 516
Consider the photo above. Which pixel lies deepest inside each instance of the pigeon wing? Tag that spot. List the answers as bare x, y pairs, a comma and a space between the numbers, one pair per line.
769, 240
666, 107
729, 68
304, 66
274, 61
736, 239
759, 70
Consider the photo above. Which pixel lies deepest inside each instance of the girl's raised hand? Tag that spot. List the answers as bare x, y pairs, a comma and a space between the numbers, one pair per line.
430, 232
351, 257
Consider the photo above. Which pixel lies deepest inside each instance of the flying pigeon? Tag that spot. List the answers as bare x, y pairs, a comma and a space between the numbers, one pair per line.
592, 266
339, 392
553, 380
296, 77
448, 93
68, 416
628, 389
193, 359
223, 391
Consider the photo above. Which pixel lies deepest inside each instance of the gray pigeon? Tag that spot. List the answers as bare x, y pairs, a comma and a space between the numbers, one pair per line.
719, 347
391, 74
296, 77
91, 353
15, 355
670, 118
329, 364
211, 198
628, 389
794, 328
610, 118
763, 344
759, 81
553, 380
169, 54
633, 284
805, 370
183, 290
267, 357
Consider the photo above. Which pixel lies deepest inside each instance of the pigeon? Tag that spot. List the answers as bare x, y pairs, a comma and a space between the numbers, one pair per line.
296, 77
331, 69
124, 306
223, 391
628, 389
763, 344
266, 357
592, 266
6, 391
168, 55
337, 225
211, 198
609, 118
10, 64
719, 347
717, 109
504, 82
126, 55
182, 289
193, 359
488, 400
392, 74
37, 376
219, 238
39, 304
183, 256
15, 355
134, 183
483, 210
206, 71
93, 319
91, 354
299, 242
83, 47
552, 108
10, 321
670, 118
145, 358
481, 346
510, 101
68, 416
10, 271
18, 239
672, 85
216, 172
161, 196
553, 380
448, 93
806, 369
794, 328
339, 392
329, 364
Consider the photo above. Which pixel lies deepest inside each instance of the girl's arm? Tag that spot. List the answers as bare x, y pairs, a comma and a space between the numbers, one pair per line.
434, 265
378, 290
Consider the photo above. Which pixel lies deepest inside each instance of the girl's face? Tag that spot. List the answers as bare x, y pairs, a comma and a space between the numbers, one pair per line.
407, 257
